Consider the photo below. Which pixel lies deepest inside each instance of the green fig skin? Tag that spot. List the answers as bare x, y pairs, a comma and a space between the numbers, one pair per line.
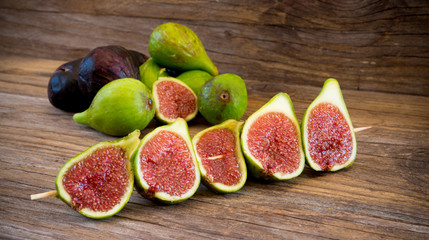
281, 102
330, 93
176, 46
195, 79
235, 127
223, 97
119, 108
150, 72
179, 127
129, 144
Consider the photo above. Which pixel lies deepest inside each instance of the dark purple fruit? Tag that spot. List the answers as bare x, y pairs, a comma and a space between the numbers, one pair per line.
63, 89
138, 57
105, 64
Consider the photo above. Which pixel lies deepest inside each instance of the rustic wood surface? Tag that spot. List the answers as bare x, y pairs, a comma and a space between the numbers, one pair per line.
378, 50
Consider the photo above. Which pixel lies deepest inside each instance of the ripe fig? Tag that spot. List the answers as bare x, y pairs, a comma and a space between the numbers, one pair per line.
120, 107
99, 181
165, 167
103, 65
328, 136
173, 99
177, 47
150, 72
195, 79
63, 89
271, 141
223, 97
138, 57
219, 157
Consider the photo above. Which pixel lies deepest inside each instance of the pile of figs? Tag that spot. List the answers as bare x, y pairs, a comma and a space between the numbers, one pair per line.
118, 92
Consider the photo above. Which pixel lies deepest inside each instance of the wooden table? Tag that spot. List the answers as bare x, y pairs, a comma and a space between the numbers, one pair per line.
378, 50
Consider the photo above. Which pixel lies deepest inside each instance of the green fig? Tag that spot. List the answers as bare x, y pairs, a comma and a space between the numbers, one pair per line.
195, 79
328, 136
271, 141
150, 72
219, 156
176, 46
119, 107
99, 181
223, 97
165, 166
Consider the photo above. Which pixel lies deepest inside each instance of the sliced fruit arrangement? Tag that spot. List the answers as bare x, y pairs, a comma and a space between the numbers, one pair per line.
328, 136
99, 181
219, 156
271, 141
165, 166
120, 107
176, 46
223, 97
173, 100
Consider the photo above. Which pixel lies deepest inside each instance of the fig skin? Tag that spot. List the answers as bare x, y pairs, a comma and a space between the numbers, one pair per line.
63, 89
176, 46
223, 97
105, 64
120, 107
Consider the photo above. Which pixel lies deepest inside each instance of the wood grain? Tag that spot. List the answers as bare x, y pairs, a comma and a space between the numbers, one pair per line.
376, 49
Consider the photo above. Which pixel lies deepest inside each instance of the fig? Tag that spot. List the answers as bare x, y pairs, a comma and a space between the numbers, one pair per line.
98, 182
165, 167
271, 141
173, 99
63, 89
138, 57
150, 72
177, 47
219, 157
195, 79
223, 97
328, 137
103, 65
120, 107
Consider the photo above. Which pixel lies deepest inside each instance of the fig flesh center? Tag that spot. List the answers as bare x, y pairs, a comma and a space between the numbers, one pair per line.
273, 140
99, 181
329, 136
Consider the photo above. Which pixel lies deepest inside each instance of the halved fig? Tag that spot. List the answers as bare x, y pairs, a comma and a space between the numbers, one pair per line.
328, 136
173, 99
219, 157
271, 141
99, 181
165, 166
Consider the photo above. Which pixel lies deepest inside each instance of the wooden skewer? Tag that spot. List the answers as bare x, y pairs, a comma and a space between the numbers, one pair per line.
362, 128
43, 195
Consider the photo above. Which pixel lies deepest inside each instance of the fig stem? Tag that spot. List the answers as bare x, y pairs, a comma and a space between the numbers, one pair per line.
43, 195
362, 128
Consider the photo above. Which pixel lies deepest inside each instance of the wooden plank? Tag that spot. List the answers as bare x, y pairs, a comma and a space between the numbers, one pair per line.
375, 46
382, 195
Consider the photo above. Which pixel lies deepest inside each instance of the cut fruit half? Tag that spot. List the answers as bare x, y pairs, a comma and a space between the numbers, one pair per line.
219, 156
328, 137
165, 166
173, 100
99, 181
271, 141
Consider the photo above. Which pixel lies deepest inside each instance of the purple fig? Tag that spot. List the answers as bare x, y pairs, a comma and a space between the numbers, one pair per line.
105, 64
63, 89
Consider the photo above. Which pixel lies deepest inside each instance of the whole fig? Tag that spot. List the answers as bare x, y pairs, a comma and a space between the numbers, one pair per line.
105, 64
63, 89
